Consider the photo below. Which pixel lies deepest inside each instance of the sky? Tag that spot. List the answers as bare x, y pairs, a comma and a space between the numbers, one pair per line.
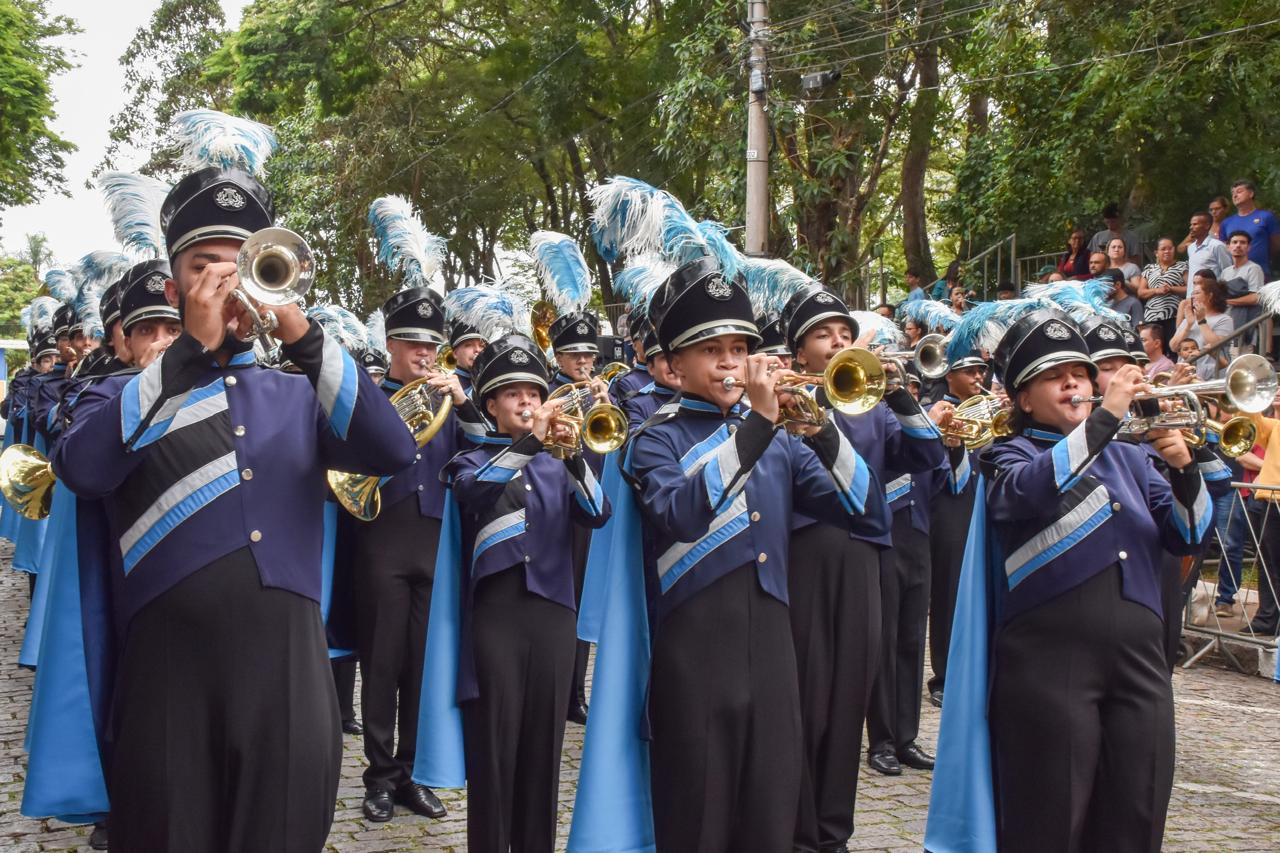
87, 97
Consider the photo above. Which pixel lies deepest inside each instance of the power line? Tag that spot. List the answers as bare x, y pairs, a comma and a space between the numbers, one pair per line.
873, 34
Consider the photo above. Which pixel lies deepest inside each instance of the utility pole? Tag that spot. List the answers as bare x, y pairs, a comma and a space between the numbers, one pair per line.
757, 240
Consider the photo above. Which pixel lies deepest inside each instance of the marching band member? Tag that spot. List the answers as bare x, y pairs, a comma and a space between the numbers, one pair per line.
215, 469
1071, 534
949, 528
711, 478
42, 344
836, 606
517, 505
467, 343
640, 392
374, 357
396, 551
566, 283
638, 376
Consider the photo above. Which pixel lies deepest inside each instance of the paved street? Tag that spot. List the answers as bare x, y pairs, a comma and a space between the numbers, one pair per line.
1226, 793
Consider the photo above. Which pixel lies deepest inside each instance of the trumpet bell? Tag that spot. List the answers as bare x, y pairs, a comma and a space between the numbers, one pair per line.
604, 428
931, 356
613, 370
1236, 437
854, 381
26, 481
276, 266
446, 360
1250, 384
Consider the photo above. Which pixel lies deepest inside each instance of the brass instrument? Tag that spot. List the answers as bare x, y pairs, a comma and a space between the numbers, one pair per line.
1249, 386
541, 316
26, 481
978, 421
854, 382
613, 370
1236, 437
931, 356
424, 411
276, 267
600, 427
446, 360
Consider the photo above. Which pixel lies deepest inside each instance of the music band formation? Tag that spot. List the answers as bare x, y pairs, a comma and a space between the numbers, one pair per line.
221, 509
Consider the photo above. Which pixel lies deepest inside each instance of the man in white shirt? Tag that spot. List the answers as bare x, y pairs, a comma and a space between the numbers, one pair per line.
1244, 306
1204, 251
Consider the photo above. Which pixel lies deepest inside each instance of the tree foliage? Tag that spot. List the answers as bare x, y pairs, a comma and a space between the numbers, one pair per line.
31, 153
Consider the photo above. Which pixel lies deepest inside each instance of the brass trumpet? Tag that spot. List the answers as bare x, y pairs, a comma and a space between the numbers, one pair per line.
276, 267
600, 427
424, 411
931, 356
1236, 437
854, 382
613, 370
978, 421
26, 481
1249, 386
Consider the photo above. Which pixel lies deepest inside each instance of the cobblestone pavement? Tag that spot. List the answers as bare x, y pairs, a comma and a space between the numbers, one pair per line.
1226, 792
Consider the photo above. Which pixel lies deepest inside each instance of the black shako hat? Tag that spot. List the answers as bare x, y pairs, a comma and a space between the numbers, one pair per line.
1133, 343
807, 308
63, 319
374, 361
697, 302
142, 295
214, 204
577, 331
1038, 340
513, 357
1104, 339
972, 358
416, 314
109, 306
460, 332
773, 340
43, 342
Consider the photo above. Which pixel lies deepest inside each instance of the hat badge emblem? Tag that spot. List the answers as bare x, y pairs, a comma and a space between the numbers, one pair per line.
518, 356
425, 310
1057, 331
581, 328
1107, 333
230, 198
824, 298
155, 284
719, 289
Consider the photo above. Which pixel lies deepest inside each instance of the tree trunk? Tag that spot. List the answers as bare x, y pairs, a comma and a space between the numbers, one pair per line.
979, 113
915, 161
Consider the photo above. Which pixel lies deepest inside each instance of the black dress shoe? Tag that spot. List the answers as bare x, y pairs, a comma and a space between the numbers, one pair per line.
1262, 629
578, 713
98, 838
935, 698
884, 762
914, 757
377, 805
352, 727
420, 799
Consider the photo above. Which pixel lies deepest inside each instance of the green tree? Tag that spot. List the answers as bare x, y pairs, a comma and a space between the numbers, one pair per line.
31, 153
37, 253
18, 286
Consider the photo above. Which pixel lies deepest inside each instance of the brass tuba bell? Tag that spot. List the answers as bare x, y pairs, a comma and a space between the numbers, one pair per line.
26, 480
424, 411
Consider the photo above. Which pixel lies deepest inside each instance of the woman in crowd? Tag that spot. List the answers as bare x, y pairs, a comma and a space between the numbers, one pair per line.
1162, 285
1074, 262
1204, 319
1117, 259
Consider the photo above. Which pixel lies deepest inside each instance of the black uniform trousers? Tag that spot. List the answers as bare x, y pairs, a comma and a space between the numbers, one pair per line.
725, 722
1082, 724
948, 532
514, 732
1268, 613
893, 717
581, 545
395, 556
834, 586
225, 720
344, 682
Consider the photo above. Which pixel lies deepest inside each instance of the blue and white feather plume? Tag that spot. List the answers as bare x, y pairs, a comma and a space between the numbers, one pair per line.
38, 316
1080, 299
376, 331
929, 314
640, 279
492, 310
211, 138
62, 285
404, 243
134, 202
563, 271
771, 282
336, 322
982, 327
633, 218
884, 332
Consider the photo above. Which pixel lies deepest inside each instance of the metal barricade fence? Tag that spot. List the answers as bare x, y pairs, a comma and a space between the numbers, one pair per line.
1247, 524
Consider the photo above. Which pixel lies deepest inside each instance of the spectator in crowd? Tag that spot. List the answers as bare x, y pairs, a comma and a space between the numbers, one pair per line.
1007, 290
915, 289
913, 331
1243, 279
1074, 262
1042, 274
959, 299
1152, 336
1204, 252
1229, 525
1121, 300
1266, 620
1097, 264
884, 309
1188, 352
1218, 209
1115, 229
1261, 225
1161, 286
1117, 259
949, 279
1204, 319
